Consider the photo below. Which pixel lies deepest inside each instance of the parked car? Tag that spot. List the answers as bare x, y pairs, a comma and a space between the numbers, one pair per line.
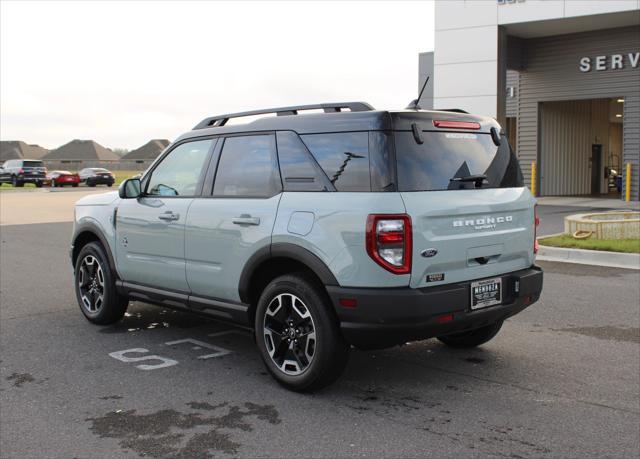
62, 178
5, 175
93, 176
21, 171
352, 227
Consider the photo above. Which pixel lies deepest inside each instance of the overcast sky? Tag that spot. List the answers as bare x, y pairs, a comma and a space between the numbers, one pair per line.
123, 73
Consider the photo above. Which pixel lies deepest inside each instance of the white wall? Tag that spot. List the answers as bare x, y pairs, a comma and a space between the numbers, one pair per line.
466, 43
466, 55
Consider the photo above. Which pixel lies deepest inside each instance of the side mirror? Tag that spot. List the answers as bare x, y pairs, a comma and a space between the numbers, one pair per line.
130, 189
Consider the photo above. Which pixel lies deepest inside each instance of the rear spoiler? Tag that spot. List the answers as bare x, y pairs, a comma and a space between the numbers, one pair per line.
455, 110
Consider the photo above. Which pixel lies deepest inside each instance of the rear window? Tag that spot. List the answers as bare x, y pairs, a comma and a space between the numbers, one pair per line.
454, 161
32, 164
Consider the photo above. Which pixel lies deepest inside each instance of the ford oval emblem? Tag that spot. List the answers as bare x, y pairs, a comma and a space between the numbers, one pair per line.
428, 253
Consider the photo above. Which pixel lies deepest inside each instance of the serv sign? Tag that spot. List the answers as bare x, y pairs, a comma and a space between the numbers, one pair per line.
613, 62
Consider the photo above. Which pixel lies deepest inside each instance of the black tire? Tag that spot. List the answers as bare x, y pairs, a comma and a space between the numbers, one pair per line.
110, 184
329, 351
38, 184
472, 338
112, 306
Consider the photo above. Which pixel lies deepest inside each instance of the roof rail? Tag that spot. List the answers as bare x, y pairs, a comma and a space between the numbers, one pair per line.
456, 110
221, 120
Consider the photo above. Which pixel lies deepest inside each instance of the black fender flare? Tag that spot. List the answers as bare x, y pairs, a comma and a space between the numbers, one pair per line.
282, 250
93, 228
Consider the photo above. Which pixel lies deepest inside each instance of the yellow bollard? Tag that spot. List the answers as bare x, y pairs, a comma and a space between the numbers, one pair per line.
627, 185
533, 178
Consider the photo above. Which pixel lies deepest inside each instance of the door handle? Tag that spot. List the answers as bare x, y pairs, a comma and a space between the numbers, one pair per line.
246, 219
169, 216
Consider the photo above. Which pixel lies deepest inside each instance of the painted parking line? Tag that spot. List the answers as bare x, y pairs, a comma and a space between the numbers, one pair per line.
219, 351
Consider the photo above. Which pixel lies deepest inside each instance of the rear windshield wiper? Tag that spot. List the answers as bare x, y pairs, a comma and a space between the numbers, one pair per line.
477, 179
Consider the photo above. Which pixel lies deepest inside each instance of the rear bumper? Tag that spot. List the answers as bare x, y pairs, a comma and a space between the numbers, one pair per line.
384, 317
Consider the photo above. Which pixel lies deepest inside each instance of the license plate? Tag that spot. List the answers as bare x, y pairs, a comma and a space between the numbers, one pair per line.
486, 293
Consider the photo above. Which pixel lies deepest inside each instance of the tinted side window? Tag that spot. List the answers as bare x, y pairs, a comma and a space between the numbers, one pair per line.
344, 157
179, 172
248, 167
300, 172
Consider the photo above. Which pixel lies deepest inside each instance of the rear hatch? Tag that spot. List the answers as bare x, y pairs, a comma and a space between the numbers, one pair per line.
472, 217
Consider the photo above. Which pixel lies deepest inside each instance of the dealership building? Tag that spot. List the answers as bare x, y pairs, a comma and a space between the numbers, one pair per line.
561, 76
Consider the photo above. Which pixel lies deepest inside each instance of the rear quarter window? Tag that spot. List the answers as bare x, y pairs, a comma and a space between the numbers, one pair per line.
344, 158
300, 172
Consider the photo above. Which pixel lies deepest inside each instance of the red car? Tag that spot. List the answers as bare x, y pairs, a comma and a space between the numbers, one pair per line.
62, 178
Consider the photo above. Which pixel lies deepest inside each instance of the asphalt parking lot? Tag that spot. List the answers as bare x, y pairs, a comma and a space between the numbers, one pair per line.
562, 379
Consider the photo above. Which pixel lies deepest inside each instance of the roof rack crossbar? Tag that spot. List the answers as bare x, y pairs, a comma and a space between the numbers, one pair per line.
221, 120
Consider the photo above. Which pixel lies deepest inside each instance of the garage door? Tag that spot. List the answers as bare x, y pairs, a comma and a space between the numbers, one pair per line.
565, 148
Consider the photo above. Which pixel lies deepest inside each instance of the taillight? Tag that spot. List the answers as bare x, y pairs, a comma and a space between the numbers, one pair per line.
536, 222
456, 124
389, 241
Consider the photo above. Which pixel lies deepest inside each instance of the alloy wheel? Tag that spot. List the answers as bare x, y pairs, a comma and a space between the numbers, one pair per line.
289, 334
91, 284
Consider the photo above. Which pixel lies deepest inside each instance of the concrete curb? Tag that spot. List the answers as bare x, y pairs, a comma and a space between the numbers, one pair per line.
594, 203
589, 257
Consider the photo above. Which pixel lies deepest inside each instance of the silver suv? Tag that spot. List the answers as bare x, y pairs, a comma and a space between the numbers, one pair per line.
325, 227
